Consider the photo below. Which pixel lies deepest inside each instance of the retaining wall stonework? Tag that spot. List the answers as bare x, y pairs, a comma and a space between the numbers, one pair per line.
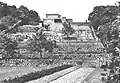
35, 62
65, 53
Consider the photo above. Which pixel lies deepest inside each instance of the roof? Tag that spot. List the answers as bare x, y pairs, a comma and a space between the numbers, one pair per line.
80, 23
70, 20
53, 14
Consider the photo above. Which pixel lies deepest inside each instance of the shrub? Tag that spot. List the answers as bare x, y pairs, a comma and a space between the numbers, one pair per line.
36, 75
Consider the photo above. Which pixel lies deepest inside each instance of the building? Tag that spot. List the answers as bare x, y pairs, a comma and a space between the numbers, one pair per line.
83, 31
55, 29
75, 48
55, 22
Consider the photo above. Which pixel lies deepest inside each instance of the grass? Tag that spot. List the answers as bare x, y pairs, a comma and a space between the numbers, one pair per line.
36, 75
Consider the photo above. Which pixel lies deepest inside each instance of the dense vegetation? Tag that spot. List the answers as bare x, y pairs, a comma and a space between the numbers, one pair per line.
11, 14
9, 17
39, 43
36, 75
106, 22
67, 30
8, 47
103, 14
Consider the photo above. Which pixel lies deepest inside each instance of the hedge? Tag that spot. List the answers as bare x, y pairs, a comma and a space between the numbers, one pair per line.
36, 75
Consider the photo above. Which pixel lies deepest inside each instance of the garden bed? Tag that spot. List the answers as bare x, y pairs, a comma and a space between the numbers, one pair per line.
36, 75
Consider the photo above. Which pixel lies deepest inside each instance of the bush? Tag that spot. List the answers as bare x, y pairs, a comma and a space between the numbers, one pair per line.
36, 75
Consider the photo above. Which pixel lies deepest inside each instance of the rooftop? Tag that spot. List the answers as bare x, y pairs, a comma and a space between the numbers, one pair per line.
53, 15
81, 23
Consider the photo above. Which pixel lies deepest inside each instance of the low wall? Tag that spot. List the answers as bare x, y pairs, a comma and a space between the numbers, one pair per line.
36, 62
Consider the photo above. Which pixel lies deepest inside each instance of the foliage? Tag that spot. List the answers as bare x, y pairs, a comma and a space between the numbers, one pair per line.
3, 27
10, 15
33, 17
8, 47
8, 20
27, 16
109, 35
6, 10
36, 75
105, 22
67, 30
39, 43
102, 15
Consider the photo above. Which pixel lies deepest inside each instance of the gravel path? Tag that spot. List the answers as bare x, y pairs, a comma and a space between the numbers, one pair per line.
95, 76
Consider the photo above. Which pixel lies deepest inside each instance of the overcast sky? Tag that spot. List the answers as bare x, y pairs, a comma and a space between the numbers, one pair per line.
78, 10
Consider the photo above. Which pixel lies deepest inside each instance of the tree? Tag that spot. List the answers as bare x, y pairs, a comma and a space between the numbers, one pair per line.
8, 20
105, 17
3, 27
67, 30
102, 15
34, 18
6, 10
39, 43
22, 13
109, 35
8, 47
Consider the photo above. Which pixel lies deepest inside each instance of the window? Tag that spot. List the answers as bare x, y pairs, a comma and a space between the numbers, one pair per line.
57, 21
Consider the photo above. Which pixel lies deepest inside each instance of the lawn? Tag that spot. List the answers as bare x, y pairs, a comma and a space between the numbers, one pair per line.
11, 72
34, 74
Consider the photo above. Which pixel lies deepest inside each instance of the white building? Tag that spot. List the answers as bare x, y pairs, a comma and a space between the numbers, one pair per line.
83, 32
55, 22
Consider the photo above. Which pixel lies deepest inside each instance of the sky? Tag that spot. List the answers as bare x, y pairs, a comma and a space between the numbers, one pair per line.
78, 10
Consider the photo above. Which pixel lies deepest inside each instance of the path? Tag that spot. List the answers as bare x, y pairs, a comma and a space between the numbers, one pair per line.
95, 76
76, 76
71, 75
54, 76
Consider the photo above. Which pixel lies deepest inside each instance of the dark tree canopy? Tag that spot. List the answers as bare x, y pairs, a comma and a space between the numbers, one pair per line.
68, 29
22, 13
104, 20
34, 17
40, 42
102, 15
10, 18
8, 47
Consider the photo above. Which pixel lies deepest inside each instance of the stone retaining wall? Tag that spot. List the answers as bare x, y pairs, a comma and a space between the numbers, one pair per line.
35, 62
